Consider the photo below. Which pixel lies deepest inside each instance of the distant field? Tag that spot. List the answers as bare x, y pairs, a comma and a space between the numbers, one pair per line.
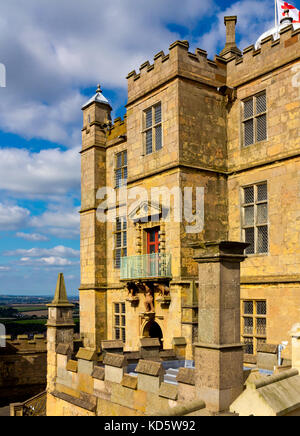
27, 321
30, 326
32, 321
29, 308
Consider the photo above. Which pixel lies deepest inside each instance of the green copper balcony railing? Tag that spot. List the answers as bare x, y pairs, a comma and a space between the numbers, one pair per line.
146, 266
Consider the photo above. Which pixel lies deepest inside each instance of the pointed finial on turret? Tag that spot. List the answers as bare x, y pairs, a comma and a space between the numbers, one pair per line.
97, 98
60, 297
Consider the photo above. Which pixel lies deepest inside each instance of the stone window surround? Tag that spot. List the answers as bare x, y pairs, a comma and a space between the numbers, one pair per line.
121, 313
141, 236
153, 127
122, 167
122, 247
255, 225
254, 117
254, 335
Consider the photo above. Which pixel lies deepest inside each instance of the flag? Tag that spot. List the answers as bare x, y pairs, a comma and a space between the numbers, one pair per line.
293, 12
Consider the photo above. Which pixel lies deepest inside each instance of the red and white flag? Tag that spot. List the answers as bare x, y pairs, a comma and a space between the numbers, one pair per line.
294, 12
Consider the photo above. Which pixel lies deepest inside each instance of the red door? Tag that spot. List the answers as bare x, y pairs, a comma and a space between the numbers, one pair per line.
153, 241
152, 264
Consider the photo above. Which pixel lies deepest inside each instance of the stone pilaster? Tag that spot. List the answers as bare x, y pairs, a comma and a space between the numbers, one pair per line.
219, 353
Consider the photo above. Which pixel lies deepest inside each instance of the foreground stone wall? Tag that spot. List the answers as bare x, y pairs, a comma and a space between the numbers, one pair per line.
83, 388
23, 368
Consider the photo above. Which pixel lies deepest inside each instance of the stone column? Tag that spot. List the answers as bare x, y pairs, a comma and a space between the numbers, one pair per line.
219, 353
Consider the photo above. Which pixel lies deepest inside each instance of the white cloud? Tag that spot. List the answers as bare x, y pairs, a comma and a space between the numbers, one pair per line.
32, 236
12, 217
61, 47
53, 261
58, 251
59, 220
254, 18
49, 172
4, 268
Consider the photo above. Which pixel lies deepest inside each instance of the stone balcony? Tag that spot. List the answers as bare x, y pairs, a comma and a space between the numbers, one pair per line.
146, 266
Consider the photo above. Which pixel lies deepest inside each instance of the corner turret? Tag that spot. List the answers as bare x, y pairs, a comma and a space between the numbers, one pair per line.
60, 329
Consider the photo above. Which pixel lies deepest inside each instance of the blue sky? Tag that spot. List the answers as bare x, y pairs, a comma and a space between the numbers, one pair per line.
55, 52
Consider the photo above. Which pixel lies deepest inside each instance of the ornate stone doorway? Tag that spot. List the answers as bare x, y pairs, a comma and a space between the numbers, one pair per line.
153, 330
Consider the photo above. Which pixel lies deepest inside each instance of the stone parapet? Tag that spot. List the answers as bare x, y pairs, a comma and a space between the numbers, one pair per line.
150, 375
267, 356
186, 376
115, 346
23, 345
178, 62
150, 348
271, 55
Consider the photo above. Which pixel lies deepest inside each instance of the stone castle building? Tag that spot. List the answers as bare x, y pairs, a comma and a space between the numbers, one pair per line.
230, 126
159, 288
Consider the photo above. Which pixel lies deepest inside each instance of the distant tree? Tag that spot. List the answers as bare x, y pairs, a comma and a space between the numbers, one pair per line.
8, 312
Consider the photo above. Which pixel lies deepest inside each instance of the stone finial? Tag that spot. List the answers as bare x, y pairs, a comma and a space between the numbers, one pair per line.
60, 297
99, 90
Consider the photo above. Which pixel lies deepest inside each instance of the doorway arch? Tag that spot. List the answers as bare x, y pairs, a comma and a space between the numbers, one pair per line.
152, 330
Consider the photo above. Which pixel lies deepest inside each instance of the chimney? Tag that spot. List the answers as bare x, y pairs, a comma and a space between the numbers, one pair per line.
230, 48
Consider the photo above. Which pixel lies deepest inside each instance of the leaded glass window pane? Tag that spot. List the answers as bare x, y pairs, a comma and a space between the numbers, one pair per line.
249, 238
148, 118
149, 141
248, 109
249, 132
262, 239
261, 103
248, 307
249, 216
249, 194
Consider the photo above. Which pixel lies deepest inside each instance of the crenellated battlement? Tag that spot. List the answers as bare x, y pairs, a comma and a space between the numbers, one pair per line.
271, 55
114, 386
24, 345
179, 62
118, 129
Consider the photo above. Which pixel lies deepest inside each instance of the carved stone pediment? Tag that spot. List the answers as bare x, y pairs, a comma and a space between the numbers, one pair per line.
145, 212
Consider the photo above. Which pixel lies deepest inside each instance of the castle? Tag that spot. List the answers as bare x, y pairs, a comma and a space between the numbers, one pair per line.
158, 289
229, 126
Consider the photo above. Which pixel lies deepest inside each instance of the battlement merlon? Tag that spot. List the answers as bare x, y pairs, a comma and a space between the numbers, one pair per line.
179, 62
118, 131
272, 55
